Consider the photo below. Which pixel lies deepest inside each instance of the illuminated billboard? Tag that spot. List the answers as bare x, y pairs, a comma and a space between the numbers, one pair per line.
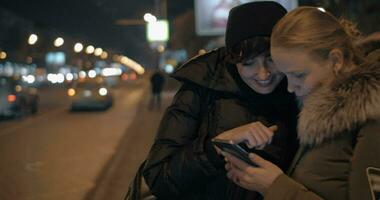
158, 31
55, 58
211, 15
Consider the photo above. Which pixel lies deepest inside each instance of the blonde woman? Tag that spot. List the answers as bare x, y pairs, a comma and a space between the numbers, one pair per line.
339, 127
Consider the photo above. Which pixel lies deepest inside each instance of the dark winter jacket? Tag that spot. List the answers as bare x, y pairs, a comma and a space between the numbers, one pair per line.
182, 163
339, 131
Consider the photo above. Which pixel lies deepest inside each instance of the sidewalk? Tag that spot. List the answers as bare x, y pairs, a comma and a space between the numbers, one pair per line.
113, 183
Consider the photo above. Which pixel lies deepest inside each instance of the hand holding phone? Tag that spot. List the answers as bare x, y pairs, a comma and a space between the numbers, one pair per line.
234, 149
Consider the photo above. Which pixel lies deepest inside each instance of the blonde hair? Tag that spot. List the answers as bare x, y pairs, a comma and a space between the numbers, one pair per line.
318, 32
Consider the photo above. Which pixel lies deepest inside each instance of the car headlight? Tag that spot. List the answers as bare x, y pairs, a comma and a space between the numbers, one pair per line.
103, 91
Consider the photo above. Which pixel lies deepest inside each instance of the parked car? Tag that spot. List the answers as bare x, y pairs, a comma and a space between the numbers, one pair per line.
17, 98
90, 94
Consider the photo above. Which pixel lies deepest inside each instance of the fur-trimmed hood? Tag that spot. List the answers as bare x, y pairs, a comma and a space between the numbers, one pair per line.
343, 105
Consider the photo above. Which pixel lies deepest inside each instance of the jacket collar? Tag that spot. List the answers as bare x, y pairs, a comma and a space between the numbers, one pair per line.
209, 70
345, 104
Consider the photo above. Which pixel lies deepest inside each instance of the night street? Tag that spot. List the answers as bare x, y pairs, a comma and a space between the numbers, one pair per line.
59, 154
218, 99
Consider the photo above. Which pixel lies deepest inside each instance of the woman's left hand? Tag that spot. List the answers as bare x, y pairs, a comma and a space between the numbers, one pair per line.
255, 178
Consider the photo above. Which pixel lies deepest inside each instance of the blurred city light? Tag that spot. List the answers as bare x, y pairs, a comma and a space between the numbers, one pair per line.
69, 76
60, 78
103, 91
158, 31
90, 49
160, 48
32, 39
78, 47
92, 73
52, 78
169, 68
133, 76
104, 55
98, 51
321, 9
201, 51
132, 64
71, 92
3, 55
111, 72
58, 42
124, 77
18, 88
29, 79
11, 98
150, 18
116, 58
82, 74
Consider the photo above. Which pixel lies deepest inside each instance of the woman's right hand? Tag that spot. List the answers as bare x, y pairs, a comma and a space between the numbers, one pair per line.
254, 134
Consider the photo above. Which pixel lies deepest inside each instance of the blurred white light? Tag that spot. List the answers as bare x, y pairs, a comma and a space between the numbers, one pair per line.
30, 79
92, 73
24, 78
69, 76
98, 51
78, 47
132, 64
321, 9
58, 42
49, 76
111, 72
32, 39
158, 31
82, 74
52, 78
150, 18
90, 49
103, 91
169, 68
60, 78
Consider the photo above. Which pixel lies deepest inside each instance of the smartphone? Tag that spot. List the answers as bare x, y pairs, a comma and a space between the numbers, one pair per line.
233, 149
373, 175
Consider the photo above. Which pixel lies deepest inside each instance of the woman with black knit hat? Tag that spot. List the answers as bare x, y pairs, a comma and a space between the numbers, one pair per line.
235, 90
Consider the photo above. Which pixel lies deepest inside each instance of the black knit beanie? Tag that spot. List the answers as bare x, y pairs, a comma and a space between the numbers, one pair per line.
252, 19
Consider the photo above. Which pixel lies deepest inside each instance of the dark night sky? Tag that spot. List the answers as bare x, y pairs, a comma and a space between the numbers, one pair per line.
94, 20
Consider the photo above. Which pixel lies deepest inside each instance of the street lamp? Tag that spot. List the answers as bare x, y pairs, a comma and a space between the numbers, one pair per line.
90, 49
150, 18
3, 55
78, 47
104, 55
58, 42
98, 51
32, 39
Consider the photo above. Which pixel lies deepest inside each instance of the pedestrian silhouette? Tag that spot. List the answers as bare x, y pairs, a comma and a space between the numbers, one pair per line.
157, 81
